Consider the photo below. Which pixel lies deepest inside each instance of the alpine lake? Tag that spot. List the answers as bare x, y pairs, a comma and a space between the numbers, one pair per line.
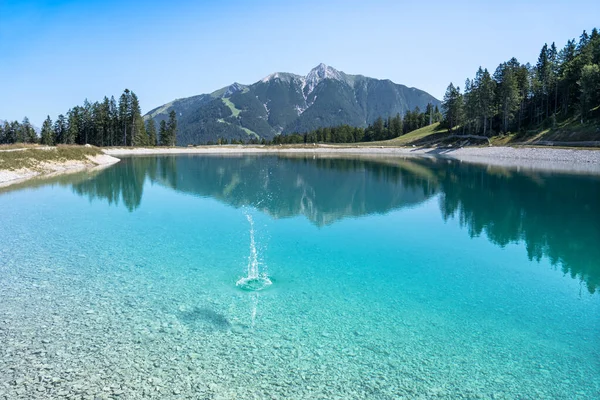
301, 277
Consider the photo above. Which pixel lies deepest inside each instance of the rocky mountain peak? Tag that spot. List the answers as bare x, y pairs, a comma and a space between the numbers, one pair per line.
318, 74
321, 72
233, 88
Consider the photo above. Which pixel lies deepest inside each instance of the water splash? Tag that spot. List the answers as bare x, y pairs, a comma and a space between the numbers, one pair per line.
254, 280
254, 307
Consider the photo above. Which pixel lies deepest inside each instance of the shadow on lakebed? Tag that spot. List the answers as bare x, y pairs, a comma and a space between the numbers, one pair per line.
203, 318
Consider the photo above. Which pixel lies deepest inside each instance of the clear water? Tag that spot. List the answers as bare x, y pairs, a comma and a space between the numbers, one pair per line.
391, 278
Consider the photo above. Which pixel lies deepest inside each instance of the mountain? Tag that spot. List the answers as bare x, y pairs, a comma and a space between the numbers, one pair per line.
283, 103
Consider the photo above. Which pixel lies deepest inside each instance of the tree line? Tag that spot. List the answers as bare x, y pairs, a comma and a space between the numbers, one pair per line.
105, 123
15, 132
562, 84
380, 129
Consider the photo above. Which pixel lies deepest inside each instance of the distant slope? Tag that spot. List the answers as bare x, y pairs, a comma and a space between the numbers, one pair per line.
284, 103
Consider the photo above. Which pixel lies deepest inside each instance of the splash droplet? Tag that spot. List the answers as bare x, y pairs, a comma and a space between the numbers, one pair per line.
253, 281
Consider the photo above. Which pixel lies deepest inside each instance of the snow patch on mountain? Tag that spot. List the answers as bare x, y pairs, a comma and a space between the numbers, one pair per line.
309, 82
321, 72
270, 77
282, 76
318, 74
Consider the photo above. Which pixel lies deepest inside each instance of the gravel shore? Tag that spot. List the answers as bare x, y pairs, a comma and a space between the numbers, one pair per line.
49, 169
558, 160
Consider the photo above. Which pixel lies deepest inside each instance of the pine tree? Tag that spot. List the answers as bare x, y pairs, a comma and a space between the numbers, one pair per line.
97, 124
544, 76
113, 138
19, 133
471, 105
437, 115
396, 128
138, 129
172, 128
163, 134
151, 132
590, 88
13, 132
74, 131
553, 71
27, 133
487, 88
523, 84
508, 92
359, 134
584, 39
452, 107
568, 76
86, 126
47, 133
124, 116
595, 46
429, 113
8, 134
388, 128
60, 129
378, 129
105, 125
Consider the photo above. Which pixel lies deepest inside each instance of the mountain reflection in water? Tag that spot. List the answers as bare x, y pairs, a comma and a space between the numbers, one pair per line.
555, 215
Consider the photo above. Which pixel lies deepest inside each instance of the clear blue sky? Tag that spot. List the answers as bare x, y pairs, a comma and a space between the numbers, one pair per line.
55, 54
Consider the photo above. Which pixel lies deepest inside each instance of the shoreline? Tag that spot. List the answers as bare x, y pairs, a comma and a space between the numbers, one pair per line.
579, 161
586, 161
52, 169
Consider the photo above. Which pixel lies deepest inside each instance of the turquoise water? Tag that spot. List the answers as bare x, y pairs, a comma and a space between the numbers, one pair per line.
391, 278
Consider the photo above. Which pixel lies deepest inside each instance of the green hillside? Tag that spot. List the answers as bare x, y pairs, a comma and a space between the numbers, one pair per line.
427, 133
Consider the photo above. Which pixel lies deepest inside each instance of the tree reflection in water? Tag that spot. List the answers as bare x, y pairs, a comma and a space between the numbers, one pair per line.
556, 215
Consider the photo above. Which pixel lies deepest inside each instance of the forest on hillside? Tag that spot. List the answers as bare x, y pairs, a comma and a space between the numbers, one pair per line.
562, 84
381, 129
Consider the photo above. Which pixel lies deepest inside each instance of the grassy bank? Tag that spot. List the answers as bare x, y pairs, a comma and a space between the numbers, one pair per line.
17, 157
422, 136
569, 133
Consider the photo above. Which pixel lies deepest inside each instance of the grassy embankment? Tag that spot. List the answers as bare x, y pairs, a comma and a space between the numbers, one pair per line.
421, 136
431, 134
568, 133
19, 156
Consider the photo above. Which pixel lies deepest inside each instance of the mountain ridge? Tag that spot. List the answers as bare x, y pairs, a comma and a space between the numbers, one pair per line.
284, 102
